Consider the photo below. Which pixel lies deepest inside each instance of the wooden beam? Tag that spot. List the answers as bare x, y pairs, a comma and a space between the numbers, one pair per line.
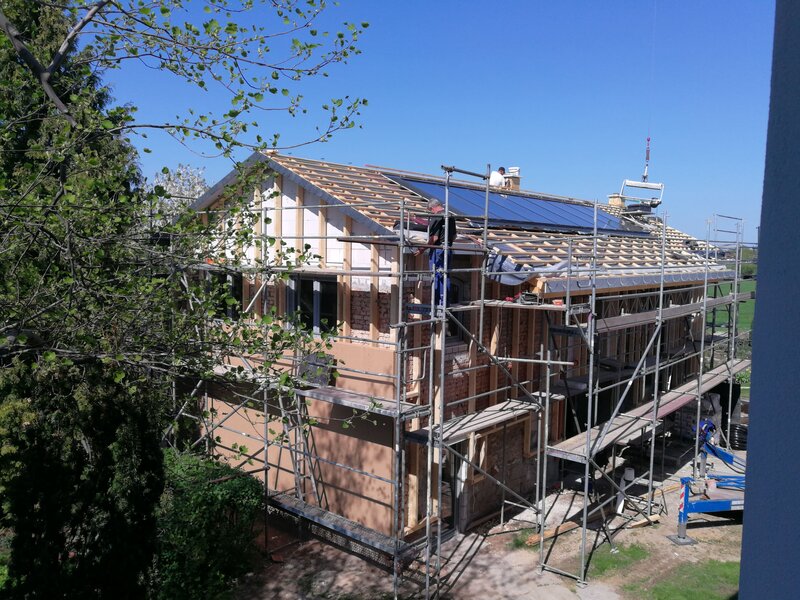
494, 343
563, 528
531, 349
413, 467
515, 366
652, 520
346, 281
323, 233
396, 291
475, 283
416, 361
374, 298
299, 220
277, 221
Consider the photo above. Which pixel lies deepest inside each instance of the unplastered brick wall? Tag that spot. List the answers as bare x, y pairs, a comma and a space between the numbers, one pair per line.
505, 330
270, 297
361, 311
484, 496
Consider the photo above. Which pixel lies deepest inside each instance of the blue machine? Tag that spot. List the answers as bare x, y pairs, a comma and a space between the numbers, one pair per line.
714, 493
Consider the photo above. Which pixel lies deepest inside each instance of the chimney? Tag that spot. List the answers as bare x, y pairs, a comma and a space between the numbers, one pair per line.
512, 178
616, 200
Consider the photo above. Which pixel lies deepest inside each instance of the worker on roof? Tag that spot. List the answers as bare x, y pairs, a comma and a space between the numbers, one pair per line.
440, 241
498, 178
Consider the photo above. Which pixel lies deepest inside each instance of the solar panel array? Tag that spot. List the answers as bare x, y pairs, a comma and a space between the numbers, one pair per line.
524, 212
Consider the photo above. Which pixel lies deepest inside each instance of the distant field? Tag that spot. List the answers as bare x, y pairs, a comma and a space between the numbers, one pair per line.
745, 309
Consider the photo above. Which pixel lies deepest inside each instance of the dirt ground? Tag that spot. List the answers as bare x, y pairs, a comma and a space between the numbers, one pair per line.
494, 561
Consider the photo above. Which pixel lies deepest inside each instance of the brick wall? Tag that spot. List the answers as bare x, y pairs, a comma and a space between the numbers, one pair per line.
360, 314
484, 496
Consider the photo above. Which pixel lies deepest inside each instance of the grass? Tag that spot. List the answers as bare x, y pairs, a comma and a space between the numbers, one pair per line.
604, 559
709, 580
518, 542
745, 310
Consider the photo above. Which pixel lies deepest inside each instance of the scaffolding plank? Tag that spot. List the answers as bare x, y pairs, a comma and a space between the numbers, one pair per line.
459, 428
628, 426
367, 403
349, 529
672, 312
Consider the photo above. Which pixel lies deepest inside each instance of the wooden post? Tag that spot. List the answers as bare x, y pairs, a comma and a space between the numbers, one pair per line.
396, 293
531, 350
299, 220
412, 516
277, 221
474, 286
374, 298
494, 343
415, 462
515, 366
346, 281
416, 361
323, 232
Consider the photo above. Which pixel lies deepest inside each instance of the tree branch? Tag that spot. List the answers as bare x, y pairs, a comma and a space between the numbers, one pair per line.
34, 65
59, 56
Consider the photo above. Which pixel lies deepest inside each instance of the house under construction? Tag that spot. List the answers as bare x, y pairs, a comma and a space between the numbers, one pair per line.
571, 328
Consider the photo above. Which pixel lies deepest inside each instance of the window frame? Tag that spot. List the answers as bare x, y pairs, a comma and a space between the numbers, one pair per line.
294, 292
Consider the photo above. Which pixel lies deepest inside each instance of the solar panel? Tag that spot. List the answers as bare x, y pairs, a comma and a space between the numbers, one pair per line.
514, 210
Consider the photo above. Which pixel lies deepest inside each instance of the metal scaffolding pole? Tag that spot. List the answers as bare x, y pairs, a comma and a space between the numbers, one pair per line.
657, 374
701, 366
543, 458
399, 356
590, 399
576, 272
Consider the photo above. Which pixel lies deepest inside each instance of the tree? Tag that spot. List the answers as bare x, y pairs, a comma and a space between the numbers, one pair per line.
102, 318
255, 54
178, 190
184, 184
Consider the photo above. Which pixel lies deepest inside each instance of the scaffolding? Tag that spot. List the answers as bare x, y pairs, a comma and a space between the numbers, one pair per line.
530, 379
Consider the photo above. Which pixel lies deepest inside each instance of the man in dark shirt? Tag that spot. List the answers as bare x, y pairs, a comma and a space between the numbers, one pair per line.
437, 236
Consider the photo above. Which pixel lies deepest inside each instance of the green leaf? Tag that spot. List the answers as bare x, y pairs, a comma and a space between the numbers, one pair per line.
49, 356
119, 376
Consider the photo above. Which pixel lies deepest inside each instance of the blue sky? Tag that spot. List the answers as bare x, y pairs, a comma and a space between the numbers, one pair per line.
568, 91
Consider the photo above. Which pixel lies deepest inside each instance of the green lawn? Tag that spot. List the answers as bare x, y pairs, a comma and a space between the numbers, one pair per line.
745, 310
604, 559
710, 580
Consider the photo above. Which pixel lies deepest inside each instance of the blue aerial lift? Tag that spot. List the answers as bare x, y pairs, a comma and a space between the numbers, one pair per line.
710, 493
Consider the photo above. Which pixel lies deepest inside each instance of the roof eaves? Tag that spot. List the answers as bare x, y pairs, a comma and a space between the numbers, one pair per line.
583, 284
212, 194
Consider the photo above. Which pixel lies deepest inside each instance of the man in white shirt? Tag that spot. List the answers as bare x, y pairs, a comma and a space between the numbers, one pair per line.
497, 178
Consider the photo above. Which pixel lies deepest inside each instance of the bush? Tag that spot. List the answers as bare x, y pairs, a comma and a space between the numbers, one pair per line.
205, 527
